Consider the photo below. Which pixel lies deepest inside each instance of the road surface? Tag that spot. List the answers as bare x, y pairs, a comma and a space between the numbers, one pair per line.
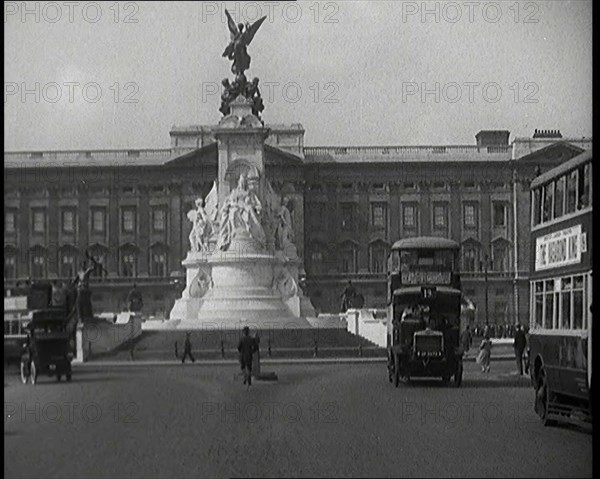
316, 420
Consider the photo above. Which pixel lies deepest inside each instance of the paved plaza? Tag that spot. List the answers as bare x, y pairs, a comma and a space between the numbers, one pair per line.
316, 420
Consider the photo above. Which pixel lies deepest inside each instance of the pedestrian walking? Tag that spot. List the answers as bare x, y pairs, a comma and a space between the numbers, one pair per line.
466, 339
485, 354
519, 345
187, 349
247, 347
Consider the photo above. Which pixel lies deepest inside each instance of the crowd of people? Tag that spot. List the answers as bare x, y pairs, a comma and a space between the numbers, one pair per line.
494, 330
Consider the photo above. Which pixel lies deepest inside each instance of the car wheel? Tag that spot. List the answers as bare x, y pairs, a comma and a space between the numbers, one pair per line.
396, 371
58, 377
68, 377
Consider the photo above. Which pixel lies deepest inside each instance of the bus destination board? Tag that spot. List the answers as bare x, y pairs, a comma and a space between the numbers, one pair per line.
560, 248
426, 277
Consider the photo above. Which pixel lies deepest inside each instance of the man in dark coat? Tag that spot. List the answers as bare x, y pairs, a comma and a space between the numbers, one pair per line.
187, 349
134, 300
347, 297
247, 347
520, 343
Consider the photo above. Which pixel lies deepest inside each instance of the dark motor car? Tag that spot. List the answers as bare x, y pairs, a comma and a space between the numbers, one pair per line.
49, 346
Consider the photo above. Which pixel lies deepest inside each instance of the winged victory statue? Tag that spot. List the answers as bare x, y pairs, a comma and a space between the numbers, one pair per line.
241, 36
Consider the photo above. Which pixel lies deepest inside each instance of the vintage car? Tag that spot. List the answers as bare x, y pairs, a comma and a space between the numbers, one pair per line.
49, 346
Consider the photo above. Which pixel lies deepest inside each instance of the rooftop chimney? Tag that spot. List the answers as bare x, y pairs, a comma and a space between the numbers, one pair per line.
547, 134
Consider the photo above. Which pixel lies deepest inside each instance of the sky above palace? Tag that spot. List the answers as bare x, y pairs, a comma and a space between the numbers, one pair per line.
352, 73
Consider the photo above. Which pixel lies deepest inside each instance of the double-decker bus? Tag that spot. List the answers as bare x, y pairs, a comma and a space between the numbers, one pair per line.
560, 340
424, 310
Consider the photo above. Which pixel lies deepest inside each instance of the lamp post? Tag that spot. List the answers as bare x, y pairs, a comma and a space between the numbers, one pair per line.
485, 272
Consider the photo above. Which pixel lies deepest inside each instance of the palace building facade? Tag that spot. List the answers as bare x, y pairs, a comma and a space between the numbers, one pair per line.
128, 208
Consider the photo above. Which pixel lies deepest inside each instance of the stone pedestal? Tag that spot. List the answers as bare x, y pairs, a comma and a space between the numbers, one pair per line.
246, 284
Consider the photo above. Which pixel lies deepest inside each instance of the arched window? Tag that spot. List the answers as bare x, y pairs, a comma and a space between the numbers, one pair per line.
128, 260
318, 258
158, 260
10, 262
378, 253
500, 259
100, 254
471, 255
67, 262
38, 262
348, 257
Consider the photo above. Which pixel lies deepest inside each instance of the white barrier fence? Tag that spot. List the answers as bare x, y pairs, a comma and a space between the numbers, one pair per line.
370, 324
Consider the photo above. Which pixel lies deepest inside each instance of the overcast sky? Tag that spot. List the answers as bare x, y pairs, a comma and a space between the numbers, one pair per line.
352, 73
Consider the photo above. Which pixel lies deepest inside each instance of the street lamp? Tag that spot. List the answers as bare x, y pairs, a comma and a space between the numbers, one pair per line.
485, 271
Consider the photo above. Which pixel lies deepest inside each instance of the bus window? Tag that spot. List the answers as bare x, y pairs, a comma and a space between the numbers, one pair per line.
539, 304
6, 327
571, 192
549, 309
578, 311
584, 187
559, 197
444, 258
548, 196
537, 207
565, 309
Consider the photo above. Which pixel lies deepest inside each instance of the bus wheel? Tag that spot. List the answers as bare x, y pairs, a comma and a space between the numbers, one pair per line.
542, 398
458, 375
33, 372
24, 375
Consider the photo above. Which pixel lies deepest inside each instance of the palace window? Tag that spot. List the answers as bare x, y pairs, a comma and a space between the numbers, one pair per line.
159, 216
378, 253
10, 220
347, 218
68, 221
499, 215
409, 216
99, 254
158, 266
98, 220
379, 215
38, 264
348, 257
67, 264
470, 215
39, 220
10, 266
129, 264
128, 220
440, 215
471, 254
500, 256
